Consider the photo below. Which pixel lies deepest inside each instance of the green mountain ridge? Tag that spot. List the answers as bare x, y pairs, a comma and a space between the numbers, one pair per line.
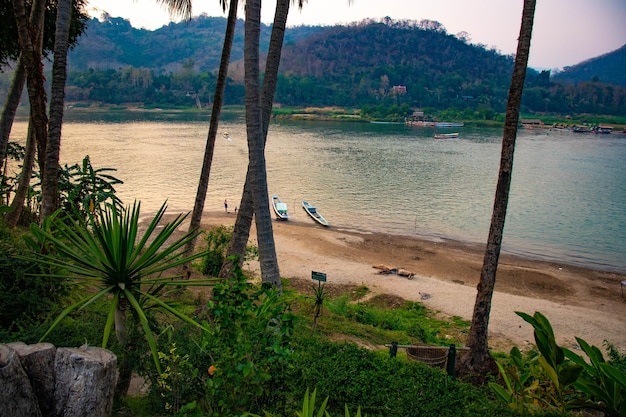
370, 64
113, 43
608, 68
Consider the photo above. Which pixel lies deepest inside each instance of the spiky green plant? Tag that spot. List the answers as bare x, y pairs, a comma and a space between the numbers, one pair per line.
106, 256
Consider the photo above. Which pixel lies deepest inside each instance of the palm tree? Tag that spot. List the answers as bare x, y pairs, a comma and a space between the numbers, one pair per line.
106, 255
241, 232
203, 183
50, 177
256, 146
17, 205
30, 37
10, 107
478, 362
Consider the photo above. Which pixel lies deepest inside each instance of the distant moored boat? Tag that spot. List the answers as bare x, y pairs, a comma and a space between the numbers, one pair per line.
446, 135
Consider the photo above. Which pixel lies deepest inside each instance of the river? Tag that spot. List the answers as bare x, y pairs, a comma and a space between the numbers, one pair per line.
568, 194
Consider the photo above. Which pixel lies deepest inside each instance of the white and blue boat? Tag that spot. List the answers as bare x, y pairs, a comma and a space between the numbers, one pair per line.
280, 208
312, 211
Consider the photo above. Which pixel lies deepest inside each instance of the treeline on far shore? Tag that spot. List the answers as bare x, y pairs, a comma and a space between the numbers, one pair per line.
143, 87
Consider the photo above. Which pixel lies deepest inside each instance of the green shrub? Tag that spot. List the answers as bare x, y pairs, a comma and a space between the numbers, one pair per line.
382, 386
217, 240
246, 348
616, 358
25, 299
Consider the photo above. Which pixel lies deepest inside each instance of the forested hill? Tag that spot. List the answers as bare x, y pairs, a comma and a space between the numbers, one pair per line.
382, 67
609, 68
370, 58
114, 43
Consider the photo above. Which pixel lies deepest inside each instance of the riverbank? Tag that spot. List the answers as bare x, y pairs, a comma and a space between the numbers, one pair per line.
579, 302
340, 114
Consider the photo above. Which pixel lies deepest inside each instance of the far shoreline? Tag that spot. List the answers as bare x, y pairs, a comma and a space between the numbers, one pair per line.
336, 114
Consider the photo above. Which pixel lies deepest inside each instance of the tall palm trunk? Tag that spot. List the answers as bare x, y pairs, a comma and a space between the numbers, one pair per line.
17, 205
478, 362
218, 100
38, 122
10, 107
256, 146
31, 55
50, 180
241, 233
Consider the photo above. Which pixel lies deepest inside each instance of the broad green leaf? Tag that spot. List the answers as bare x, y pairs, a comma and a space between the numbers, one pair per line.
550, 372
503, 394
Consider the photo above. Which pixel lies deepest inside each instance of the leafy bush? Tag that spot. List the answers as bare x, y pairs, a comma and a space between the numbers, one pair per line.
616, 358
25, 299
87, 189
246, 348
217, 240
556, 379
382, 386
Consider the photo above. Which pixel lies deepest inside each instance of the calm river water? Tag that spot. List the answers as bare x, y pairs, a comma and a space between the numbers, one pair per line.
568, 196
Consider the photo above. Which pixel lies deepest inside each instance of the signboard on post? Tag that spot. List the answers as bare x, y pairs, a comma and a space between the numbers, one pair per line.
318, 276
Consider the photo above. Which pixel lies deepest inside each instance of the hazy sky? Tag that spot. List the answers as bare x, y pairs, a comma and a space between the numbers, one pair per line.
566, 32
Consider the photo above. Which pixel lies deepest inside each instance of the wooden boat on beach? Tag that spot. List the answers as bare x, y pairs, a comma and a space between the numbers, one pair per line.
280, 208
446, 135
312, 211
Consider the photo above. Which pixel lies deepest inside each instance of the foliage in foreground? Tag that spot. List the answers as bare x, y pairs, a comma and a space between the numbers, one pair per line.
110, 260
380, 385
237, 362
554, 378
23, 300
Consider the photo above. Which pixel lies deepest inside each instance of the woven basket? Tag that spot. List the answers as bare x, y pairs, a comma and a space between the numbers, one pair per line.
433, 356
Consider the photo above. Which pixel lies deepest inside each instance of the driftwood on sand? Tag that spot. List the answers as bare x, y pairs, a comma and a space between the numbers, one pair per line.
41, 380
388, 270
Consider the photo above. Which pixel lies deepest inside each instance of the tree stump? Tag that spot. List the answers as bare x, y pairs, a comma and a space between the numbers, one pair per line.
38, 363
16, 396
42, 381
85, 381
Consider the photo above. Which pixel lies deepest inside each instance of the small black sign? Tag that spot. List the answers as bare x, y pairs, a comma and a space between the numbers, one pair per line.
318, 276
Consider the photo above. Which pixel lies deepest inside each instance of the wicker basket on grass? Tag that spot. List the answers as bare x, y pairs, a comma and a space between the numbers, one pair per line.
433, 356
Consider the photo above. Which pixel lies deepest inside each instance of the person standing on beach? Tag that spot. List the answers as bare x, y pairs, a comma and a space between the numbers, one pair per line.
226, 205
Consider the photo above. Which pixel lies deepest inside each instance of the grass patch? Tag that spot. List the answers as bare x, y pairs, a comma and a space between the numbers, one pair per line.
376, 321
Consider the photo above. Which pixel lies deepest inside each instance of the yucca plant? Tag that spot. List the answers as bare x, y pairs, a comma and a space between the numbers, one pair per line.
318, 302
105, 256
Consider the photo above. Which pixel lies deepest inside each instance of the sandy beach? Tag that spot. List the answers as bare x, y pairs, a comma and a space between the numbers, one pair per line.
578, 302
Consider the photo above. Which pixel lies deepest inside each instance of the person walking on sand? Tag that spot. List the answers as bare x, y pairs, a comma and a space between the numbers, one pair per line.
226, 205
